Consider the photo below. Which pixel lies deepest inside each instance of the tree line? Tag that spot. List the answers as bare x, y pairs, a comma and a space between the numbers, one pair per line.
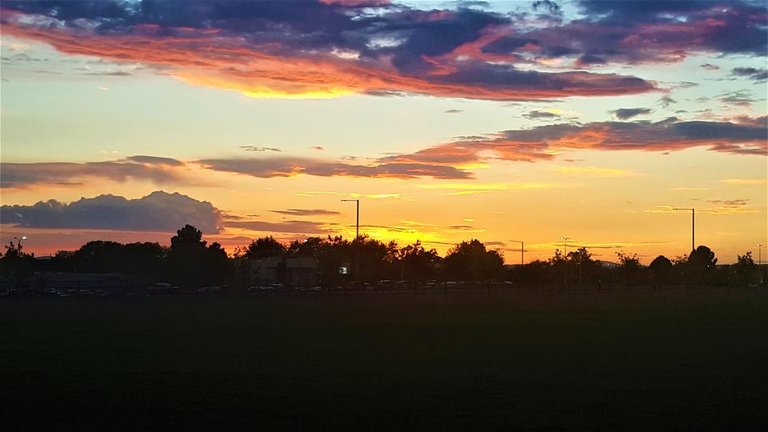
190, 262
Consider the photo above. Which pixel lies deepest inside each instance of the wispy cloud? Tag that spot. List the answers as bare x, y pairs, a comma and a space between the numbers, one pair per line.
628, 113
598, 172
714, 207
160, 170
746, 181
306, 212
748, 136
289, 167
260, 149
289, 226
755, 74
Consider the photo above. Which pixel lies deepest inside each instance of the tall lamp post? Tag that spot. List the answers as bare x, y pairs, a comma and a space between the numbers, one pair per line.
565, 243
357, 223
522, 251
18, 242
693, 226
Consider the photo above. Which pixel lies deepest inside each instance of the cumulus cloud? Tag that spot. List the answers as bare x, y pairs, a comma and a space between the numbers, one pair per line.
157, 169
158, 211
628, 113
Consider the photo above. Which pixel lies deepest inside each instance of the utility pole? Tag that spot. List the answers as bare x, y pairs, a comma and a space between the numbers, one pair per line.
357, 223
522, 251
693, 226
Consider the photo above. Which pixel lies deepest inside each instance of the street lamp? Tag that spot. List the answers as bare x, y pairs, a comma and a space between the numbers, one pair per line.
693, 226
565, 240
357, 224
18, 242
522, 251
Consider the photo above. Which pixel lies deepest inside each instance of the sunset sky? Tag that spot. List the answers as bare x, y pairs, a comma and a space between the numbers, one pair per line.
449, 120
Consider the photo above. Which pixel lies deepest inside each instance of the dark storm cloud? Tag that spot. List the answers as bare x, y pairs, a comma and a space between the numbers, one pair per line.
158, 211
628, 113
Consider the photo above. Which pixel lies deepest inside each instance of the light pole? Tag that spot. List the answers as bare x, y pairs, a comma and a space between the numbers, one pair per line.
693, 226
357, 223
760, 261
18, 242
522, 251
565, 240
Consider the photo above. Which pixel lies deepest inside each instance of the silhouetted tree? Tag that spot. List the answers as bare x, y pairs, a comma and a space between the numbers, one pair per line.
416, 263
16, 266
332, 253
661, 270
471, 261
187, 237
265, 247
700, 266
582, 267
193, 264
630, 268
309, 247
371, 259
98, 256
745, 270
536, 272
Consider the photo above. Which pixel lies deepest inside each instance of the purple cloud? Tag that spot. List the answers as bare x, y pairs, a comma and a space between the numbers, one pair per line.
158, 211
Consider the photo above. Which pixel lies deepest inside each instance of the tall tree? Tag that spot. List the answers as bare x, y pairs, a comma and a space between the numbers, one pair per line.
16, 266
265, 247
472, 261
700, 266
661, 269
745, 270
192, 263
629, 267
416, 263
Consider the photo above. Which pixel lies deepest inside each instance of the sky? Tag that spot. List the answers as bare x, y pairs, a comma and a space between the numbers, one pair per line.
600, 122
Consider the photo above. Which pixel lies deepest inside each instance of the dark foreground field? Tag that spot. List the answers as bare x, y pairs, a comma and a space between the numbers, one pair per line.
683, 360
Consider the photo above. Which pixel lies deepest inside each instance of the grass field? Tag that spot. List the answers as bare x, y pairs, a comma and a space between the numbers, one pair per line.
680, 360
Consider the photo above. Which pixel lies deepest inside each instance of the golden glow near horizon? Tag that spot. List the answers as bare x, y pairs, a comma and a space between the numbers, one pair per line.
264, 132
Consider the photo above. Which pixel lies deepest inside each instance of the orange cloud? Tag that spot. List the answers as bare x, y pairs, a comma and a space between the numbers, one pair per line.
270, 69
